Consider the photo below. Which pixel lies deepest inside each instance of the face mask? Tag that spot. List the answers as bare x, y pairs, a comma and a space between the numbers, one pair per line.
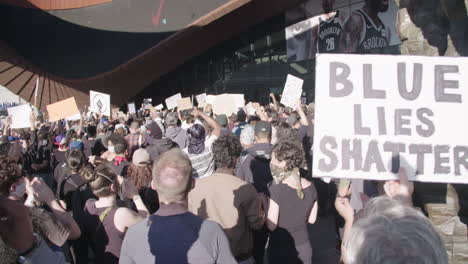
20, 190
43, 142
111, 149
278, 173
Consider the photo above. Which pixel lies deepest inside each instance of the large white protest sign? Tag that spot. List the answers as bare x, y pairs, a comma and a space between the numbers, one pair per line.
20, 116
375, 113
100, 103
171, 102
224, 104
238, 99
210, 99
292, 91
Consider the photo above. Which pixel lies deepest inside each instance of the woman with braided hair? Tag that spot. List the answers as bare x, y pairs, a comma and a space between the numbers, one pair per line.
105, 222
293, 204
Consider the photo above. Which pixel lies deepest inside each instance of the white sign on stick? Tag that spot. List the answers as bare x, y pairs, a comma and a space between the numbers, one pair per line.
292, 91
171, 102
100, 103
201, 98
159, 107
20, 116
376, 113
131, 108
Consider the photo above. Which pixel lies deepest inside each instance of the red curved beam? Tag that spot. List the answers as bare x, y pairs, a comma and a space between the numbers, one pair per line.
126, 80
53, 4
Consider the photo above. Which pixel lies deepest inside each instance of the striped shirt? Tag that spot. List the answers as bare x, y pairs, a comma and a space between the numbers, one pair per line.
203, 164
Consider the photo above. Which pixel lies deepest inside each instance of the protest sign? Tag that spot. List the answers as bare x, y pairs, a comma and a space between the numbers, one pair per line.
74, 117
250, 109
238, 100
375, 114
100, 103
160, 107
171, 102
201, 98
184, 104
210, 99
131, 108
20, 116
224, 104
292, 91
62, 109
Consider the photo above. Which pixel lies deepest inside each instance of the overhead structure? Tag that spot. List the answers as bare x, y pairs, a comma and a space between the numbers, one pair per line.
117, 47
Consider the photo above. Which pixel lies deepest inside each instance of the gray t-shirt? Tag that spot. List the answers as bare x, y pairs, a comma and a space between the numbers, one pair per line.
182, 238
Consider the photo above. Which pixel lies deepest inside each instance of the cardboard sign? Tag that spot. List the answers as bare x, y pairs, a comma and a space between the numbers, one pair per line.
62, 109
160, 107
131, 108
74, 117
20, 116
184, 104
375, 114
171, 102
224, 104
292, 91
201, 98
100, 103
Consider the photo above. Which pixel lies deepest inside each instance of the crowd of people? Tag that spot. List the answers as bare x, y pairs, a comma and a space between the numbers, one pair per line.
188, 187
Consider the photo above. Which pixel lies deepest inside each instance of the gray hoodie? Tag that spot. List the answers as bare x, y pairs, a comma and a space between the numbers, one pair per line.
178, 135
254, 166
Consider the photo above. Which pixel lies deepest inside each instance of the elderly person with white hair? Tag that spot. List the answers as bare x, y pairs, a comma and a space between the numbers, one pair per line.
389, 230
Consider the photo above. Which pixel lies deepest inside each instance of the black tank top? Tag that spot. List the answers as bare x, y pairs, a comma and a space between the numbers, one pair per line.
104, 237
328, 36
375, 38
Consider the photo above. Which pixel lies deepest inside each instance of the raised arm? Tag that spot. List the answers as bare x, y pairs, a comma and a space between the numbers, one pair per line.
304, 120
275, 103
211, 122
44, 194
6, 126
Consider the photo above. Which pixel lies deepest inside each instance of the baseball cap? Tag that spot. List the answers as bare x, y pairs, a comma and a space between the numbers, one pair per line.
247, 135
59, 139
222, 120
262, 127
76, 145
154, 130
141, 156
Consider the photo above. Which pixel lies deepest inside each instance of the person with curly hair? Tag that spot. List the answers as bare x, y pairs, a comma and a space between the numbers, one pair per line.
54, 227
140, 174
228, 200
293, 204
